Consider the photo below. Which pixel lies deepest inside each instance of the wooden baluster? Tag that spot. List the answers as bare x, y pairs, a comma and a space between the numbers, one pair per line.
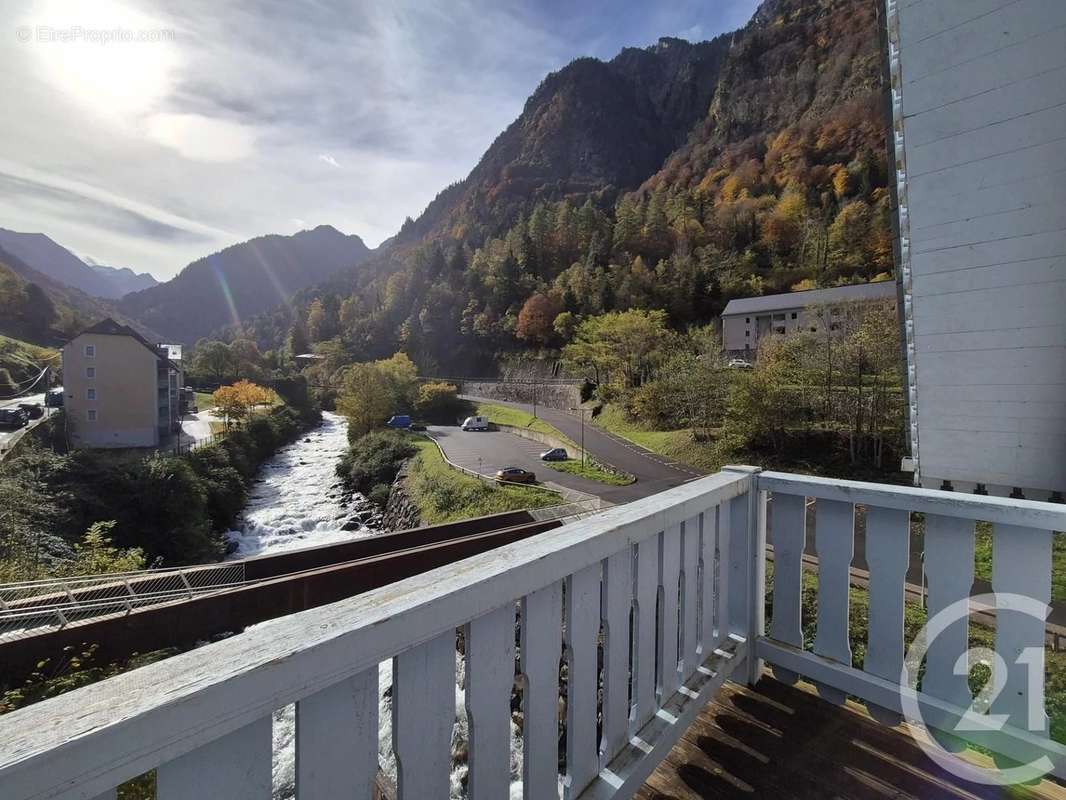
646, 585
708, 581
582, 635
790, 537
489, 678
949, 554
724, 595
1021, 565
337, 740
541, 642
834, 539
669, 583
236, 767
887, 555
423, 714
615, 605
691, 532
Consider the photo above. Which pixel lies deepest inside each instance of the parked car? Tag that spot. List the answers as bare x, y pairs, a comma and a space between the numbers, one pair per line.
399, 421
740, 363
33, 410
516, 475
12, 418
416, 426
54, 398
555, 454
475, 424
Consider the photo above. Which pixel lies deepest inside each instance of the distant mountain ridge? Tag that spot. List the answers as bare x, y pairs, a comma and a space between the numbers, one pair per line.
57, 262
242, 280
123, 279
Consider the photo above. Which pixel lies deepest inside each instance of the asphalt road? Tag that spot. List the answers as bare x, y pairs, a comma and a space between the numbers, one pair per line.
653, 473
487, 451
6, 434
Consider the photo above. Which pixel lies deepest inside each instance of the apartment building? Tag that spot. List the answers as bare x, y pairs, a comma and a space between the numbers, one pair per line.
120, 390
746, 321
979, 153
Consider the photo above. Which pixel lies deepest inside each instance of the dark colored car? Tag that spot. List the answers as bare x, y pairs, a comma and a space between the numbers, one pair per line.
33, 410
515, 475
416, 426
54, 398
12, 418
555, 454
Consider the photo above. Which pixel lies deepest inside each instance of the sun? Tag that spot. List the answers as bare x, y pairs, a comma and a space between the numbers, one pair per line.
112, 59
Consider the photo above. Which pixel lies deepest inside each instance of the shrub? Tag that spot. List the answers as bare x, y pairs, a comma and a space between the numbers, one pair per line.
374, 459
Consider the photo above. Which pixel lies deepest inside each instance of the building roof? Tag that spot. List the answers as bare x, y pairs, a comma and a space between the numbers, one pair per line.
108, 327
881, 290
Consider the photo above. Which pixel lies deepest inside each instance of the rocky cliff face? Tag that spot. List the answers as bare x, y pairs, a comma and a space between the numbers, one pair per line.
592, 128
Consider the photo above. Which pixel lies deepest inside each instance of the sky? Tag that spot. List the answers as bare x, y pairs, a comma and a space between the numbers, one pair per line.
148, 134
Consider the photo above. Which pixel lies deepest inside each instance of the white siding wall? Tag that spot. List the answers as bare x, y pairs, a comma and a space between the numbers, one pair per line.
984, 187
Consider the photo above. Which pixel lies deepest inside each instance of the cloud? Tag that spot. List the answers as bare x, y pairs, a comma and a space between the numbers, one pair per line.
153, 154
202, 138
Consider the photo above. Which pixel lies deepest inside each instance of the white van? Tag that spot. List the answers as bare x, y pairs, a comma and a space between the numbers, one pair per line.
475, 424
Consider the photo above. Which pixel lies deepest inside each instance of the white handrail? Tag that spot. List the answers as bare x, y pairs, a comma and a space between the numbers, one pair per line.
95, 738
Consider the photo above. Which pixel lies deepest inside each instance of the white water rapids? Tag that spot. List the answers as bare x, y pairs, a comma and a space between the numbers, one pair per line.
297, 502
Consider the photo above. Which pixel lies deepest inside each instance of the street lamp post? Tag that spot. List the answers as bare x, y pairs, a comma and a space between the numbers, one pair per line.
581, 413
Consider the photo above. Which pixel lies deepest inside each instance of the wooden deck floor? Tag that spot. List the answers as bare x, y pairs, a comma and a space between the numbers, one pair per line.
780, 741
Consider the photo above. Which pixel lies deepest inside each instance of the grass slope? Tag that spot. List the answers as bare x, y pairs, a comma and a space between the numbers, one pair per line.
678, 445
444, 495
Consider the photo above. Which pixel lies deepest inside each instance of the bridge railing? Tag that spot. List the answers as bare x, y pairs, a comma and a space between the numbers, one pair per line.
30, 606
658, 589
612, 632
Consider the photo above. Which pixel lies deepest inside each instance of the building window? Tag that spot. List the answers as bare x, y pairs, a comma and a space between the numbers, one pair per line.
90, 394
794, 315
90, 372
90, 351
747, 320
779, 316
780, 329
91, 415
747, 333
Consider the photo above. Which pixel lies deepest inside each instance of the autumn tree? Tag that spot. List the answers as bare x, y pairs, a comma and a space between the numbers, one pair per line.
236, 401
371, 392
536, 319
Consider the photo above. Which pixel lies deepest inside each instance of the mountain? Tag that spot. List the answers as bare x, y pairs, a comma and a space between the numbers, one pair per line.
42, 310
232, 285
592, 128
672, 177
55, 261
122, 280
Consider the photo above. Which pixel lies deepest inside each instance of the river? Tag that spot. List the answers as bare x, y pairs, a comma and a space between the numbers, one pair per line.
297, 502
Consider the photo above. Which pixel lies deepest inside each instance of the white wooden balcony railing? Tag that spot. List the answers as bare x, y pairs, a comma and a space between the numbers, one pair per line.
650, 606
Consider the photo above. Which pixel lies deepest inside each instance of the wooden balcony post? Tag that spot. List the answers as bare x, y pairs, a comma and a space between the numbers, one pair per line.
747, 567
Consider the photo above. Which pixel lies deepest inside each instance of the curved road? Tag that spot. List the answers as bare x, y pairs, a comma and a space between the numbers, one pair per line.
498, 449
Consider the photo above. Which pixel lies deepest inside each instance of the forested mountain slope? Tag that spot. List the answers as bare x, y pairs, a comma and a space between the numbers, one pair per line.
44, 311
674, 177
232, 285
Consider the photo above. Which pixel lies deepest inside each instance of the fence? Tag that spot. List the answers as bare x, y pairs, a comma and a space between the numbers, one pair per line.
29, 607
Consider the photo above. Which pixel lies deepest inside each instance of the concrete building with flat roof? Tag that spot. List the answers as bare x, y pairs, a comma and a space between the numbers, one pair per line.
745, 321
978, 107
